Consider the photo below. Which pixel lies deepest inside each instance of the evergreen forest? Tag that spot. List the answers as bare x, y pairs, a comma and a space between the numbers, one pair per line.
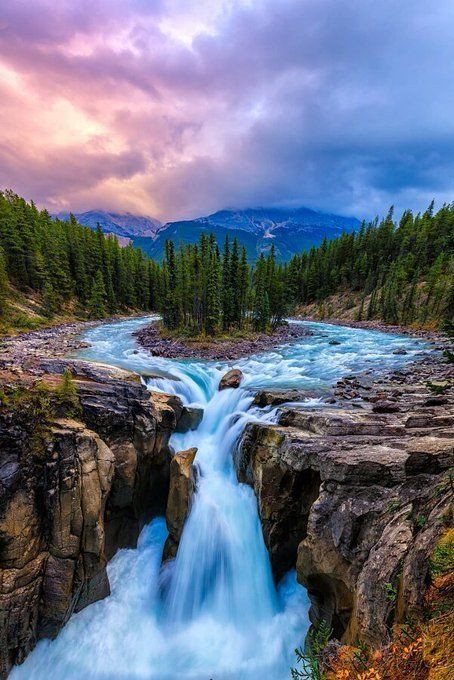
398, 272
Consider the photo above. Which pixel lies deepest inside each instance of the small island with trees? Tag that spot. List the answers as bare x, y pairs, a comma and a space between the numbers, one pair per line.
215, 305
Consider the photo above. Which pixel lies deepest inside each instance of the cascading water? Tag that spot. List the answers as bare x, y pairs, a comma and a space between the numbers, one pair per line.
213, 612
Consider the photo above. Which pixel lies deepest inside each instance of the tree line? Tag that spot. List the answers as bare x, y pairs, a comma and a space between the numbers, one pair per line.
76, 269
68, 264
400, 272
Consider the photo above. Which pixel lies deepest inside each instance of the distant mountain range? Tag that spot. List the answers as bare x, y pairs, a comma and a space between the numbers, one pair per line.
291, 230
122, 224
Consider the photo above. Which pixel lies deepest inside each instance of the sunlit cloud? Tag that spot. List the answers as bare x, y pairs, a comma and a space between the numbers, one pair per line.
176, 108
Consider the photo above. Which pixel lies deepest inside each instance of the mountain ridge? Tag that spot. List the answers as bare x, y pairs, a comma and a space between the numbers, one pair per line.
123, 224
291, 230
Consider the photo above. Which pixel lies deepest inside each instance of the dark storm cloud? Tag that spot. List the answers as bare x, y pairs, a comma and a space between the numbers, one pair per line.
345, 106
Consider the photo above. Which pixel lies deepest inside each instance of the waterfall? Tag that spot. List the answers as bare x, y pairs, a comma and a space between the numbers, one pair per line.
215, 611
221, 570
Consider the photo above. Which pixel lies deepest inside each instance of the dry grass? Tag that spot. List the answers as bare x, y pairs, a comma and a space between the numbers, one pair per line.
24, 313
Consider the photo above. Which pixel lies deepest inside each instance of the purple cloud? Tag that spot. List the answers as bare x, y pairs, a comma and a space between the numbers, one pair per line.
177, 108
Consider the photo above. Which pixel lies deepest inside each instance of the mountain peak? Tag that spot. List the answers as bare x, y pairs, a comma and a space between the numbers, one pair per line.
290, 230
123, 224
265, 221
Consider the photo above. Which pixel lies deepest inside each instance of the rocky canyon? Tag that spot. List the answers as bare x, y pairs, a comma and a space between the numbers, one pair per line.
353, 491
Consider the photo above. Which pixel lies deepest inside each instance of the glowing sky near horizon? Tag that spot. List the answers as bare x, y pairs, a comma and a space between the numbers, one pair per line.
176, 108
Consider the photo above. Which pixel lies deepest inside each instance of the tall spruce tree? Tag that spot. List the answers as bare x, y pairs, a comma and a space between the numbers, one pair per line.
3, 284
49, 300
97, 300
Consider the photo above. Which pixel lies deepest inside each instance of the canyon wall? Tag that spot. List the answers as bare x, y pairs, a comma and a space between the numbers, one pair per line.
75, 487
356, 497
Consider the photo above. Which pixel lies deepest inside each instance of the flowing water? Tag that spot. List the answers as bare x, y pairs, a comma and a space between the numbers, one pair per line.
214, 612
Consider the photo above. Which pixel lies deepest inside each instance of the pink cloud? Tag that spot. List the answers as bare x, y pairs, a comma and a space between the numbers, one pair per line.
175, 108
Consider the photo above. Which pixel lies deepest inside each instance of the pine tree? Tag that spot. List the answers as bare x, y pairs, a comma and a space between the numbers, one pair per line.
359, 316
213, 309
49, 300
234, 282
67, 396
372, 309
227, 294
97, 301
3, 284
243, 285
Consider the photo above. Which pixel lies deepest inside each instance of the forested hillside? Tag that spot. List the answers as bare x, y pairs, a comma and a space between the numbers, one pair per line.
401, 273
69, 267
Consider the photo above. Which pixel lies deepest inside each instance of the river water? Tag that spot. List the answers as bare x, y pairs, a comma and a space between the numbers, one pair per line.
214, 612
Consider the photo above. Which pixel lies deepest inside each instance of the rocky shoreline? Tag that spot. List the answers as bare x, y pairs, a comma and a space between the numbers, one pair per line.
154, 342
374, 325
54, 341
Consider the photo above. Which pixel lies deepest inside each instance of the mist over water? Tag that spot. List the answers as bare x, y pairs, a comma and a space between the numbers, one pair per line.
214, 612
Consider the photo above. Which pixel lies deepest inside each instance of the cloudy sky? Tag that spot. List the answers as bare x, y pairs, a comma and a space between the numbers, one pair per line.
176, 108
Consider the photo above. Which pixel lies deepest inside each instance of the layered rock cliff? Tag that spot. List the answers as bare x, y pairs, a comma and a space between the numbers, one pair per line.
356, 500
73, 489
183, 475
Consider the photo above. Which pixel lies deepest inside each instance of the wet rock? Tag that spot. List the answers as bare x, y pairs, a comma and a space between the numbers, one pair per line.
190, 419
73, 494
400, 351
232, 378
436, 401
156, 374
182, 485
275, 397
334, 342
340, 494
385, 406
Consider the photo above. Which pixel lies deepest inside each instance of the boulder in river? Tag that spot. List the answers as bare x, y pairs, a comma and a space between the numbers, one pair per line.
232, 378
277, 397
190, 419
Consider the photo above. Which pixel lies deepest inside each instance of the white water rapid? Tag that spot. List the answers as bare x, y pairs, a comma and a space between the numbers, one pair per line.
214, 612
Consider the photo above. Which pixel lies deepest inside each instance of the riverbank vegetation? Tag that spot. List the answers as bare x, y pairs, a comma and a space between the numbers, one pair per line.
50, 269
399, 273
53, 271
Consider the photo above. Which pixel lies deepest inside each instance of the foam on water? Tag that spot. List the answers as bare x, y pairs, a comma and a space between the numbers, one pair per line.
214, 612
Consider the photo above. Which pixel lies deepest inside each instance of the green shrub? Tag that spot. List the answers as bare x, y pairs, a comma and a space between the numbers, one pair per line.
67, 395
309, 658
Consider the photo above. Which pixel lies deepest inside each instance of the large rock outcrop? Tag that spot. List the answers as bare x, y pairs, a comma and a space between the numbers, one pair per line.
72, 491
356, 500
182, 486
